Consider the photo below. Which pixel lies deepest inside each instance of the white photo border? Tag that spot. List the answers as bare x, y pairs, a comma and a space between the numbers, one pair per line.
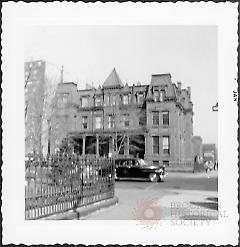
17, 15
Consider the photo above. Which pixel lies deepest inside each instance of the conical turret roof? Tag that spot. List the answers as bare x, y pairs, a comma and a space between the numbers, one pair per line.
113, 80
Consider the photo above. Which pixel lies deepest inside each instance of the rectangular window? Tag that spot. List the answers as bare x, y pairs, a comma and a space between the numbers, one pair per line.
114, 100
166, 163
140, 98
85, 102
155, 162
162, 95
155, 118
59, 102
165, 116
125, 99
107, 100
98, 122
65, 99
62, 99
98, 101
166, 149
142, 120
84, 122
126, 120
111, 121
156, 95
155, 140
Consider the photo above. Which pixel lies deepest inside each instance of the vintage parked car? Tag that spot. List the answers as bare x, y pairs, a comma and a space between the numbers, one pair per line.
137, 168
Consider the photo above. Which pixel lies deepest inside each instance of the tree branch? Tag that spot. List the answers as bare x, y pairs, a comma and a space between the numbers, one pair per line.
120, 145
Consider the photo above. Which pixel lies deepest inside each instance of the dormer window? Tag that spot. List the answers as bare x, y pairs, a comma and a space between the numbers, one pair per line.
162, 95
156, 95
114, 100
107, 99
125, 99
140, 98
98, 101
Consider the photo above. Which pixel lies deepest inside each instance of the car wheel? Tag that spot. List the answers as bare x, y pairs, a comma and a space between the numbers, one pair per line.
153, 177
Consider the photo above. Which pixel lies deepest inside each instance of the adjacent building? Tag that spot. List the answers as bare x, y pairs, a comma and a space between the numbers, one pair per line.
152, 121
209, 151
41, 79
34, 103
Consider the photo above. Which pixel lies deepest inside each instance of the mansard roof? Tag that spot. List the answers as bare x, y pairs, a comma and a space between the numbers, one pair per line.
113, 80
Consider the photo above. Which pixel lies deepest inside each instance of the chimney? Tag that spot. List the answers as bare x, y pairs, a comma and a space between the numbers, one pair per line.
179, 85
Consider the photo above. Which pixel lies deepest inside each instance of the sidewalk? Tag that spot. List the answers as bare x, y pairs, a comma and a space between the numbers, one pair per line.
209, 174
124, 210
184, 204
84, 210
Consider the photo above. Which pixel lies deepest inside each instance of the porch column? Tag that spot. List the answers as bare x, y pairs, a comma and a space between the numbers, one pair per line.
97, 145
146, 137
84, 144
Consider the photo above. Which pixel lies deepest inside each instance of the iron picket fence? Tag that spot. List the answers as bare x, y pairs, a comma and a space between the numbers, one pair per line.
63, 182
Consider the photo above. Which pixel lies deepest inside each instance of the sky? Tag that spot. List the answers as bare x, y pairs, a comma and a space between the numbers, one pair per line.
89, 54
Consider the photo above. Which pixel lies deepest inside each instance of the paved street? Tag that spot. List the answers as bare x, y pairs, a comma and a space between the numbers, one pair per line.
180, 196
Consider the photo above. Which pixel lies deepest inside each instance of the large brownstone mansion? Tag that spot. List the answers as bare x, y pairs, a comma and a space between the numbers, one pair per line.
153, 121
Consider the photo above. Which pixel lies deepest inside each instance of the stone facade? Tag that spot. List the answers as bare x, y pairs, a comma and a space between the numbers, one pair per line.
153, 121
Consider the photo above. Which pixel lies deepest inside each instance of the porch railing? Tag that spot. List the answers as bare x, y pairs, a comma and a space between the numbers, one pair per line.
63, 182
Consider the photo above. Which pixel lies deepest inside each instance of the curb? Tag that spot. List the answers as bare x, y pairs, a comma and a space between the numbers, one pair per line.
83, 211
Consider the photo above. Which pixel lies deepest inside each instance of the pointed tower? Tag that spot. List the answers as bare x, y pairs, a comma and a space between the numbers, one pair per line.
113, 80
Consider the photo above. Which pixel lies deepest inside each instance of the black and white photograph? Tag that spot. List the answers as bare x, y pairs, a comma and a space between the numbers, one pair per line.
90, 139
120, 125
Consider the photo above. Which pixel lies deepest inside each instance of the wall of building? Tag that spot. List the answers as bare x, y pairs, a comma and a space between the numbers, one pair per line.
176, 101
197, 146
34, 102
